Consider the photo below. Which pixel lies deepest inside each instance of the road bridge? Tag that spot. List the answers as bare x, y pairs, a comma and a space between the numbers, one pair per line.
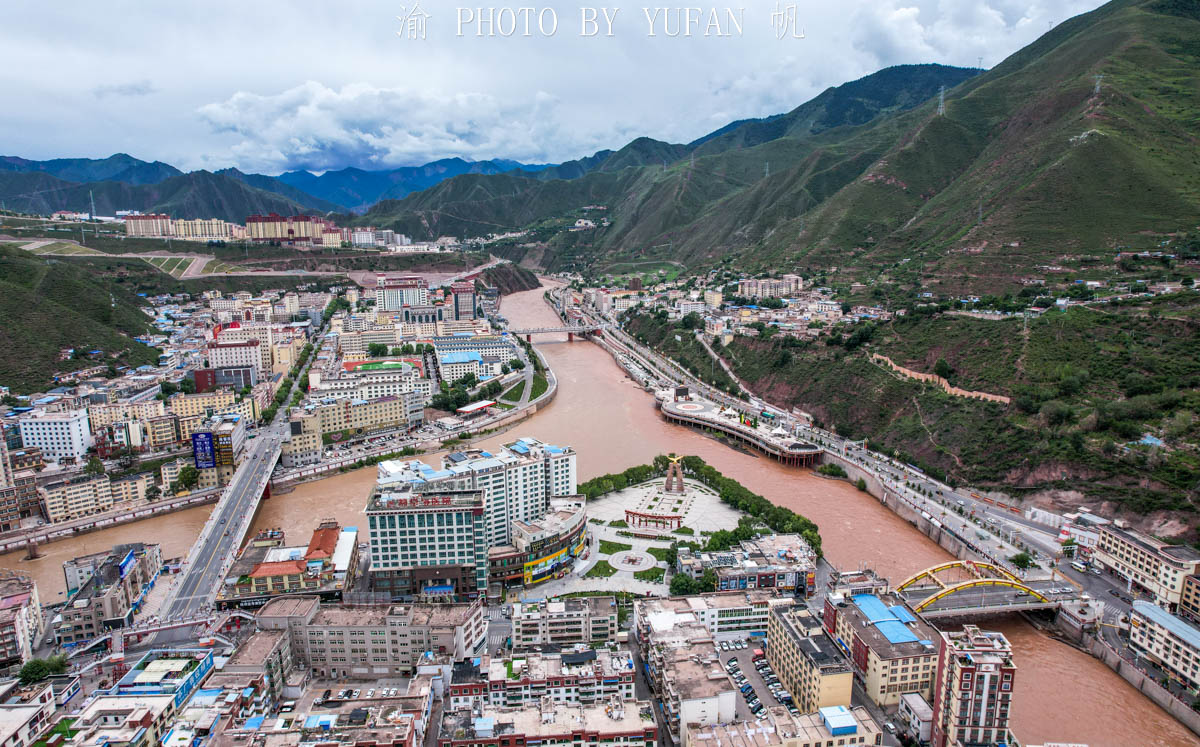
570, 329
214, 550
968, 588
201, 626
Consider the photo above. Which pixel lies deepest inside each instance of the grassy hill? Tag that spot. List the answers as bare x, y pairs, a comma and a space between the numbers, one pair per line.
48, 305
1086, 386
1028, 165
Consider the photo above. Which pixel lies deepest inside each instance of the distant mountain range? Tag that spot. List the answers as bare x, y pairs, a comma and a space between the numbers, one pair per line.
65, 184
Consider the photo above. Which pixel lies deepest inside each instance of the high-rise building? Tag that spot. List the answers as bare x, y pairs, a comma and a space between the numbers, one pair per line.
60, 435
972, 698
464, 299
393, 293
291, 230
153, 225
517, 482
428, 543
6, 470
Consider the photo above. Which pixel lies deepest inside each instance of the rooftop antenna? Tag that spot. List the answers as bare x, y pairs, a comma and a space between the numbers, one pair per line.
1096, 90
941, 101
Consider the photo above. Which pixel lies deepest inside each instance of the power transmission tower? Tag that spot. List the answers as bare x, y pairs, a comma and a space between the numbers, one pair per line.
93, 199
941, 101
981, 62
767, 170
1096, 90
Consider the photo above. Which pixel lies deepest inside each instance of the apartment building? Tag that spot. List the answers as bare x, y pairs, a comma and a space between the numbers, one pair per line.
304, 230
25, 713
118, 412
20, 500
162, 432
389, 378
770, 287
462, 296
21, 622
62, 436
208, 229
234, 354
774, 561
109, 589
685, 674
1149, 564
428, 542
372, 641
517, 481
203, 404
734, 614
569, 678
1166, 640
393, 293
75, 496
973, 690
808, 664
350, 416
303, 446
124, 720
267, 658
892, 650
615, 723
154, 225
131, 489
564, 622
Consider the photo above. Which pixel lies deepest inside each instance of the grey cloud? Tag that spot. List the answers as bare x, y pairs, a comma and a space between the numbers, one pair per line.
134, 88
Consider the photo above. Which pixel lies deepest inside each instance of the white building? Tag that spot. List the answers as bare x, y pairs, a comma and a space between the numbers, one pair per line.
235, 355
1167, 640
60, 435
517, 482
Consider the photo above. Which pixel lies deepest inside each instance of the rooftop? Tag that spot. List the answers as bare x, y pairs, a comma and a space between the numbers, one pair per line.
888, 627
1174, 625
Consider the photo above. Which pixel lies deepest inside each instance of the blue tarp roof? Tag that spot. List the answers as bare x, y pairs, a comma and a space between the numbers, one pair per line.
902, 614
255, 722
461, 356
884, 619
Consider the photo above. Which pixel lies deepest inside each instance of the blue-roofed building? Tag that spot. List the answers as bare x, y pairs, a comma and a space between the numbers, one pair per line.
1168, 640
892, 649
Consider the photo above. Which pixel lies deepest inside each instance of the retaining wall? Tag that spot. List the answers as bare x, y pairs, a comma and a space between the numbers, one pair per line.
1144, 683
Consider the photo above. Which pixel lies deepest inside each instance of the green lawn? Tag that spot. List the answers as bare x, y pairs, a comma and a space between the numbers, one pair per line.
607, 547
514, 394
653, 575
600, 570
539, 386
660, 553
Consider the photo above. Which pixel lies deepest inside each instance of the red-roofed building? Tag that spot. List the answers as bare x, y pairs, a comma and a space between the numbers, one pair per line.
267, 568
323, 543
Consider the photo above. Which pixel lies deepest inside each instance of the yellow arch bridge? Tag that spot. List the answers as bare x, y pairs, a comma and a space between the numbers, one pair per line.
990, 590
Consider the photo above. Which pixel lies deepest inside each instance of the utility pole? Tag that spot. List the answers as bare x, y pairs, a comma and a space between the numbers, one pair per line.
981, 210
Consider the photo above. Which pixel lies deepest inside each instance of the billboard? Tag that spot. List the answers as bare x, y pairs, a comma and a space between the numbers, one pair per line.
203, 453
126, 563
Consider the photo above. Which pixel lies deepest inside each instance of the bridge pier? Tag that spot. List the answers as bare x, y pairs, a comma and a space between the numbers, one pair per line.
570, 337
528, 338
31, 551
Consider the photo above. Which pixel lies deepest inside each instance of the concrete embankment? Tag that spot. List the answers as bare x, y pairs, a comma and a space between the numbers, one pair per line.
1144, 683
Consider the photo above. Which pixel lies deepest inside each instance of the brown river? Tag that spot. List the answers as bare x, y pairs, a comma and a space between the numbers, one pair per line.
1063, 695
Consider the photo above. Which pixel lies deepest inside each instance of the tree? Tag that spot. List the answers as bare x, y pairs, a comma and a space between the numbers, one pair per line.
692, 320
942, 368
683, 585
377, 350
36, 670
1022, 560
189, 476
94, 466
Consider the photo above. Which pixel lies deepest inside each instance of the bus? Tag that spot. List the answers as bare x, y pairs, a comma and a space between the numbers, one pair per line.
768, 415
1079, 566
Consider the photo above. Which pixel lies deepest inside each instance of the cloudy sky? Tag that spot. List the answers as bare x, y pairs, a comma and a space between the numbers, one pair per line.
271, 85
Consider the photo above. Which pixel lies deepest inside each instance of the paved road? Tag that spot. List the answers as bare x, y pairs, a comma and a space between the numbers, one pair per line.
224, 531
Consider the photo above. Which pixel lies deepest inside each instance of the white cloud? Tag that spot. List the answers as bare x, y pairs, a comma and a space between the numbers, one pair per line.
318, 85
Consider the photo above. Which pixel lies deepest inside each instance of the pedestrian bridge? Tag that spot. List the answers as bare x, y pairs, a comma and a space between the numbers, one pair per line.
966, 588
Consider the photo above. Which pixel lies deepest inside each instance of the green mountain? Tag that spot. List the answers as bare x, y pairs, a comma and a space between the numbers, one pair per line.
1028, 163
48, 305
116, 168
199, 194
283, 189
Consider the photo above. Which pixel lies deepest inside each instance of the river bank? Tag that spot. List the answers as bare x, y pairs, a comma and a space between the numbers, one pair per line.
1062, 694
